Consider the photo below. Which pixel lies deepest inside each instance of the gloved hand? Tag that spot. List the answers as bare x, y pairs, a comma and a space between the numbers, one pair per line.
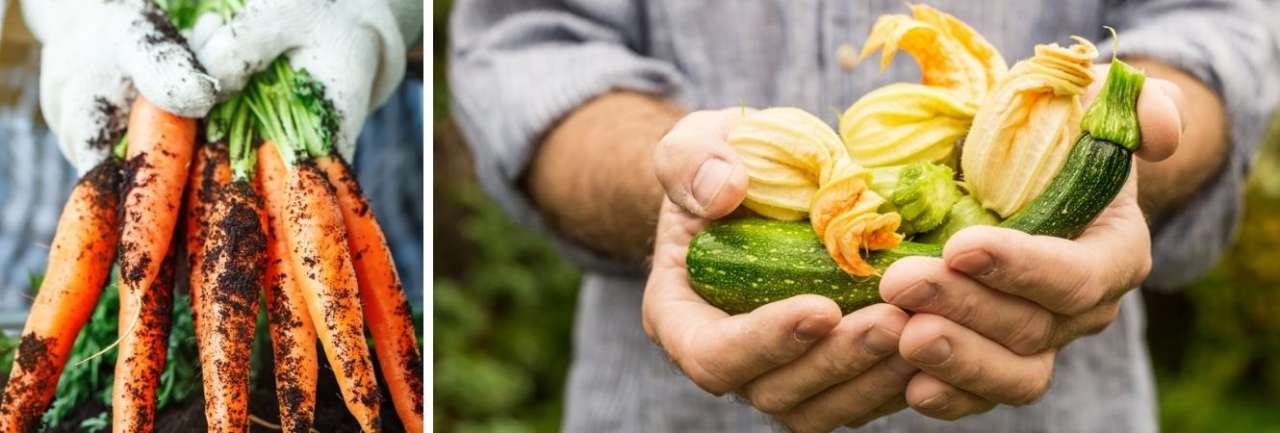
97, 55
356, 49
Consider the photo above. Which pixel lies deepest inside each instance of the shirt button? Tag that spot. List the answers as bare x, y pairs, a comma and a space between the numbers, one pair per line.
847, 56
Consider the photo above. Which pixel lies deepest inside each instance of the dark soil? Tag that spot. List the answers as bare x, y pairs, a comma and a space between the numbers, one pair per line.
331, 413
113, 123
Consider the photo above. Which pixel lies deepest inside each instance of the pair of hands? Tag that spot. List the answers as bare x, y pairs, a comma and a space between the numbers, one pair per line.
98, 55
986, 320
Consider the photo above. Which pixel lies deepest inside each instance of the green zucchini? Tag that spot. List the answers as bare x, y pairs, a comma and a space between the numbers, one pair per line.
1098, 165
738, 265
1094, 172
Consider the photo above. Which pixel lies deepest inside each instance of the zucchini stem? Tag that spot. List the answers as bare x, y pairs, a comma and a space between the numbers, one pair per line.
1113, 115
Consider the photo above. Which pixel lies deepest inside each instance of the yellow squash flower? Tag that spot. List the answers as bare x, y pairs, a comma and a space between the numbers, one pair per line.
903, 123
951, 54
1025, 127
798, 168
906, 123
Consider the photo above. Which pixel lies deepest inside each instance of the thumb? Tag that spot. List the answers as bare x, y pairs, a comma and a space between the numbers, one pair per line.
1161, 114
348, 67
251, 40
698, 169
1161, 119
164, 70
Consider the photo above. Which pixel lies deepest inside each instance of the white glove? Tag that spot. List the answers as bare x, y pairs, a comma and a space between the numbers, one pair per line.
356, 48
97, 55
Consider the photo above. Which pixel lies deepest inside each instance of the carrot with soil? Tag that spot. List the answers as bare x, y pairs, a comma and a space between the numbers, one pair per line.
234, 258
159, 151
316, 235
293, 336
80, 257
133, 398
209, 172
386, 311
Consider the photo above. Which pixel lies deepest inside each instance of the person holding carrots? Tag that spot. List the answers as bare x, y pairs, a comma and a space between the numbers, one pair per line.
604, 123
125, 68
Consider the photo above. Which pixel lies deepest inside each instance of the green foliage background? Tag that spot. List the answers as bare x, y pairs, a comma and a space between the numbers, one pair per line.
504, 309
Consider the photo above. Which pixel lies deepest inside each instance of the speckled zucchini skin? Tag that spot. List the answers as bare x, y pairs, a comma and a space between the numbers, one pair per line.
1089, 180
738, 265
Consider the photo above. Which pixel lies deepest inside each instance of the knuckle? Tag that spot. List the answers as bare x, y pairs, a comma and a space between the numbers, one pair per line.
1081, 295
1033, 333
1102, 320
964, 310
706, 379
970, 373
700, 371
779, 354
900, 367
834, 365
767, 400
1029, 391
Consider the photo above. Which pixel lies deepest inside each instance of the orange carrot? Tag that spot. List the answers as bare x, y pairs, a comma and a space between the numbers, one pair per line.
159, 150
234, 260
292, 113
80, 257
320, 259
293, 337
147, 357
209, 171
386, 311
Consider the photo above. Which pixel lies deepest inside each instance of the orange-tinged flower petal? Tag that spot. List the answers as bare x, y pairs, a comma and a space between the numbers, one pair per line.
1024, 129
951, 54
798, 167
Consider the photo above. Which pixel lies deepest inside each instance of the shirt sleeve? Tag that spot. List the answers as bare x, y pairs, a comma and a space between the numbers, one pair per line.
1232, 46
518, 67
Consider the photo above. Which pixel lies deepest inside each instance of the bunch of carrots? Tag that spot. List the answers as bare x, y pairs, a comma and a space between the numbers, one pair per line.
265, 205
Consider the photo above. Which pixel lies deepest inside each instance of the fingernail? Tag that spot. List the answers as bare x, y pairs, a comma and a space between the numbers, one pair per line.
975, 263
936, 402
709, 180
880, 342
808, 331
934, 353
918, 296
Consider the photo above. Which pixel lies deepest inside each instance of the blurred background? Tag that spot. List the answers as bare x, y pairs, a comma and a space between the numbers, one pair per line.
504, 308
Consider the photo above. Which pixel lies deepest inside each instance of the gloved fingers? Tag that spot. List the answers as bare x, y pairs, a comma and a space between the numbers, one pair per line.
156, 59
344, 66
391, 65
206, 25
92, 113
254, 37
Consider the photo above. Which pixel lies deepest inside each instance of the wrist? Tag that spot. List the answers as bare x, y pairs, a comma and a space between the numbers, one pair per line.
592, 176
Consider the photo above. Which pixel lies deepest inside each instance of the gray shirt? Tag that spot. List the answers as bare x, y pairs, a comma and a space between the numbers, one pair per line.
519, 66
